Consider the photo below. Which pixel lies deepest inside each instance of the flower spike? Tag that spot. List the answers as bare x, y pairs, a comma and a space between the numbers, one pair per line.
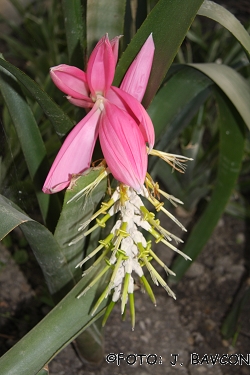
127, 137
126, 250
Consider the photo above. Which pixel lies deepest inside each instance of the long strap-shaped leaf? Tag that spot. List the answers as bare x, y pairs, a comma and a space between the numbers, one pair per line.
173, 108
45, 247
75, 27
62, 325
231, 152
232, 83
104, 17
31, 142
169, 22
221, 15
58, 118
172, 102
74, 213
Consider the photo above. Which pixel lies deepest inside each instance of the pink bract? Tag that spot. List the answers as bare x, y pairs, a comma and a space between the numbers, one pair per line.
116, 115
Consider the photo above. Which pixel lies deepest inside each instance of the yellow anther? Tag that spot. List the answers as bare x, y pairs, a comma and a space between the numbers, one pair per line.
122, 233
158, 205
121, 253
158, 236
101, 222
154, 186
105, 206
106, 242
147, 215
123, 194
108, 262
140, 248
148, 247
159, 239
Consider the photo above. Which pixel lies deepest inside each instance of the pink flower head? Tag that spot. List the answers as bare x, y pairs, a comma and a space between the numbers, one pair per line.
116, 115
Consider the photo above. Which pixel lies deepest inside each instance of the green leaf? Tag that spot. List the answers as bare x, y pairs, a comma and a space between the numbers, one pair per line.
90, 343
62, 325
171, 111
58, 118
31, 142
54, 255
44, 371
221, 15
74, 213
169, 22
75, 26
231, 322
172, 104
46, 249
232, 83
24, 52
104, 16
230, 157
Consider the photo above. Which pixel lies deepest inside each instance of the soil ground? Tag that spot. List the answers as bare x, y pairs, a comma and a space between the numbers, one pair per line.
186, 329
189, 325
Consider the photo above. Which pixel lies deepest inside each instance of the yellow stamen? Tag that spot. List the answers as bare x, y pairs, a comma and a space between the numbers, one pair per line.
105, 269
88, 189
176, 161
104, 207
99, 223
103, 243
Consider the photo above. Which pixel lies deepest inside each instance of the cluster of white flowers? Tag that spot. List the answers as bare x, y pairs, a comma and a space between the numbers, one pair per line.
126, 250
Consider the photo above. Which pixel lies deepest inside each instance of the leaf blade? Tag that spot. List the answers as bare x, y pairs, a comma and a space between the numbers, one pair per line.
58, 118
232, 84
75, 26
74, 213
221, 15
62, 325
30, 140
46, 249
230, 158
173, 21
104, 17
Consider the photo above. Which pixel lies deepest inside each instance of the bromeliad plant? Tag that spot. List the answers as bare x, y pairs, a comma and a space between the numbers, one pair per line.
119, 249
124, 128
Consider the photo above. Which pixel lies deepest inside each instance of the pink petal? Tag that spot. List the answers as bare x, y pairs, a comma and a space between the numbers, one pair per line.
70, 80
81, 102
129, 104
75, 153
123, 146
115, 47
136, 79
101, 67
